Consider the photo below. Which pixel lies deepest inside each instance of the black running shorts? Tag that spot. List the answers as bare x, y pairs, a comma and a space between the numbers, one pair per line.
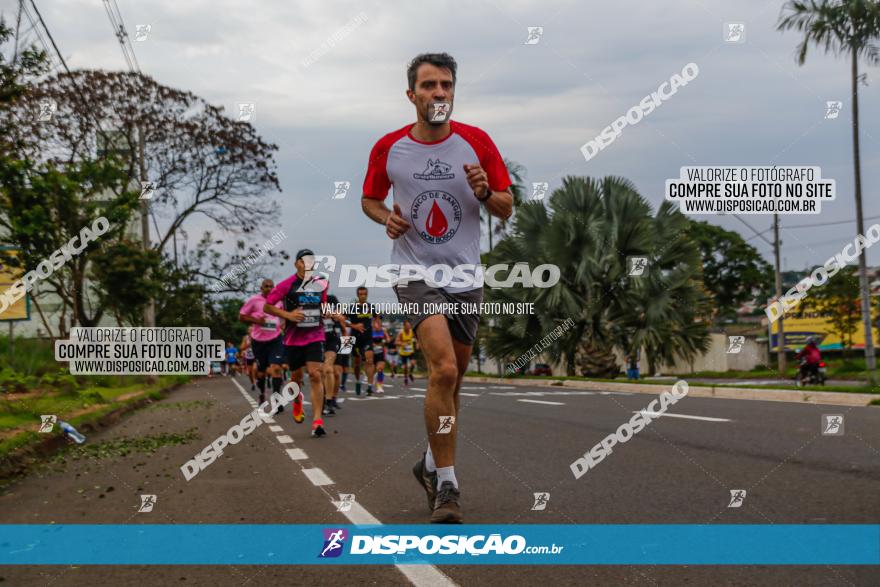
297, 356
270, 352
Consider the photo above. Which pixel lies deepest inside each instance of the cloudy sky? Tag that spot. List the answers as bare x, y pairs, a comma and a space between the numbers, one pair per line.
750, 105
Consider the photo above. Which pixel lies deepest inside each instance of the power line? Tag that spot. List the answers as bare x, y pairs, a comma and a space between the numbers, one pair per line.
118, 24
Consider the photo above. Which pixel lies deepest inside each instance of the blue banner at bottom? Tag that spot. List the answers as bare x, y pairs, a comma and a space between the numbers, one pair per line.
624, 544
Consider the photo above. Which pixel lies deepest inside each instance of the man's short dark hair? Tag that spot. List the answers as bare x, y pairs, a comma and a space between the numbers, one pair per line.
443, 60
361, 288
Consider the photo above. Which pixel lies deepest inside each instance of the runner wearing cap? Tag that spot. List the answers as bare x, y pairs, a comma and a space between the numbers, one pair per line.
303, 294
443, 172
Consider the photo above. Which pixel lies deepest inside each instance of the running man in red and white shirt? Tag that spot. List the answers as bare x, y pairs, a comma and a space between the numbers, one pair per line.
442, 171
303, 294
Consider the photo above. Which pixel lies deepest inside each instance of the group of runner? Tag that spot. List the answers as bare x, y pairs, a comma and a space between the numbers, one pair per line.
444, 174
291, 333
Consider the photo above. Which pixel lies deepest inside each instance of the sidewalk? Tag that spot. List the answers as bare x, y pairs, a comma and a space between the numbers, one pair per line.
808, 395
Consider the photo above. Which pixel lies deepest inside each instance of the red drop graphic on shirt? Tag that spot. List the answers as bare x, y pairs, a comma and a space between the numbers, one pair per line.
436, 225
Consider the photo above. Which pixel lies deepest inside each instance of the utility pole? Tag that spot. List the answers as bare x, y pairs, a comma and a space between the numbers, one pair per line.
780, 349
150, 308
864, 287
780, 339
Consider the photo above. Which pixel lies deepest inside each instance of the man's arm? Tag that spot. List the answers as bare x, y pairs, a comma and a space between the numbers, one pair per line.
394, 223
251, 319
295, 316
500, 204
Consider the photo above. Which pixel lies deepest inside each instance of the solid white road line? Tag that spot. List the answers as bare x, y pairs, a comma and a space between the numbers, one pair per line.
668, 415
317, 476
284, 439
537, 401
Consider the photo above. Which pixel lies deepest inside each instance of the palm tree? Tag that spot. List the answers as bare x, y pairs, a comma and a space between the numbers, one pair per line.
588, 231
847, 27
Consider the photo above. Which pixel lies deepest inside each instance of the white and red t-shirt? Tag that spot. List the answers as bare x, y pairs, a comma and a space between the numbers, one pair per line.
431, 188
254, 308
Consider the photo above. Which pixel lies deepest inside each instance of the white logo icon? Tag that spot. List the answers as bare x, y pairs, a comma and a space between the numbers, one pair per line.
637, 265
539, 190
47, 109
147, 189
341, 189
147, 503
832, 424
440, 111
327, 262
345, 502
832, 109
541, 500
534, 37
735, 344
142, 31
346, 343
734, 32
446, 423
247, 112
48, 422
737, 496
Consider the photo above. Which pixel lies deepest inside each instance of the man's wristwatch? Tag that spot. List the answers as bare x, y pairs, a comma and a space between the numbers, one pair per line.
488, 195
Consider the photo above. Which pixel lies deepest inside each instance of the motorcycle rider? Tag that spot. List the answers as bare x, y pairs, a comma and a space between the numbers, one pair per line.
810, 357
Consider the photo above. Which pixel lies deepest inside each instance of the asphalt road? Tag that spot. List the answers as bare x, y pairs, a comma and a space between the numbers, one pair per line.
513, 442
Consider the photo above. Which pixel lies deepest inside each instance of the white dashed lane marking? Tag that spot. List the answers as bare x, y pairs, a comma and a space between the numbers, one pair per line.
418, 575
317, 476
668, 415
537, 401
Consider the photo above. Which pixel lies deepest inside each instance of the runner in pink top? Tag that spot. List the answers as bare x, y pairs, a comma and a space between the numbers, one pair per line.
266, 338
302, 295
443, 172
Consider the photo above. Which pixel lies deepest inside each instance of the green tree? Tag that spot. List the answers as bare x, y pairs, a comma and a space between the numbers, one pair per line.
849, 27
589, 230
838, 301
732, 269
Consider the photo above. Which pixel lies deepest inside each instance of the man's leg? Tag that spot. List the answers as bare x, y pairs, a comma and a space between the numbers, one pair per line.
357, 370
316, 381
440, 398
337, 378
329, 375
370, 368
462, 358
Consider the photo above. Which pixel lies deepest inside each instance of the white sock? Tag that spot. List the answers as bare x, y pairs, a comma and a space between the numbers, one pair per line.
446, 474
429, 461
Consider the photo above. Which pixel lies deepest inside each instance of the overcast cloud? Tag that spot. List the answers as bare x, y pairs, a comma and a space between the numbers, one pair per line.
750, 105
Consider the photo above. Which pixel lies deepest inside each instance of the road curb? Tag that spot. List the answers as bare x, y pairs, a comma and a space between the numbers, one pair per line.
19, 461
742, 393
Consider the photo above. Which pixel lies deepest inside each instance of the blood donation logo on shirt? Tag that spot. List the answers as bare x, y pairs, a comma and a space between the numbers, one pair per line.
436, 216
